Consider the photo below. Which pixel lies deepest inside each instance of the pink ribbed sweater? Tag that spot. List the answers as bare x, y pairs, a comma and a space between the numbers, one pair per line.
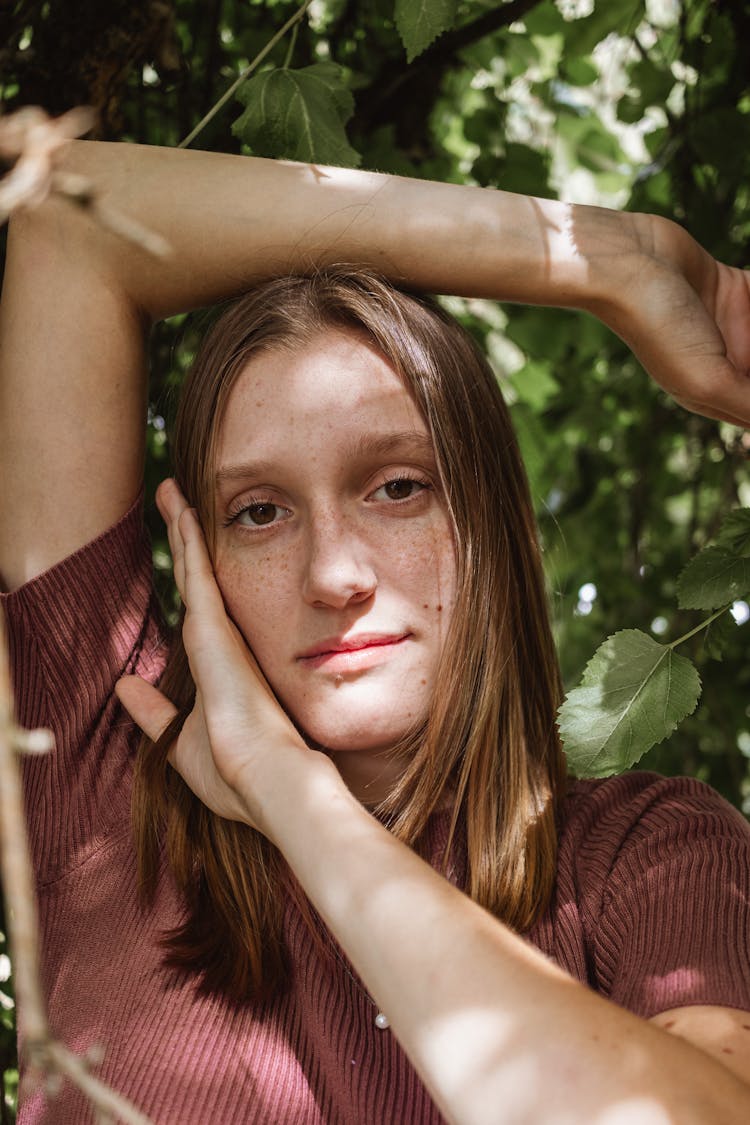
651, 907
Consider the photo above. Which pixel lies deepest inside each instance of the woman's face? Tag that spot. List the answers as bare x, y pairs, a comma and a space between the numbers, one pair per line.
334, 550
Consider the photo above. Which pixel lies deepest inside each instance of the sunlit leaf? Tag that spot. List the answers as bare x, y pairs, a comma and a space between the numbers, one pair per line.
419, 22
633, 694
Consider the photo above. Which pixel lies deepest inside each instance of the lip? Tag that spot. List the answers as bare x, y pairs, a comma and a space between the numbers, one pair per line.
353, 653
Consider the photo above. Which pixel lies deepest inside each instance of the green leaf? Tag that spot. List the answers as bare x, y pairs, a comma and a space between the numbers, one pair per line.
535, 384
734, 533
579, 72
419, 23
544, 19
653, 81
633, 694
524, 170
298, 114
621, 16
719, 634
715, 577
709, 133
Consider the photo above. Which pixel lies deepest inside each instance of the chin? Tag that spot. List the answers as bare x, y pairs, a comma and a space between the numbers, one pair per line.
361, 736
358, 715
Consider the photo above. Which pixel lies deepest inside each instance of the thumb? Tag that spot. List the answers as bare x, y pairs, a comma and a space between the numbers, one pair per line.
145, 704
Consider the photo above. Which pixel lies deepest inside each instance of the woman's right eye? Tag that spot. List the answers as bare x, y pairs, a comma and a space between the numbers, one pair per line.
258, 515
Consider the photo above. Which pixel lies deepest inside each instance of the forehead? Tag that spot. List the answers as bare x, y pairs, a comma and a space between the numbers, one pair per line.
336, 388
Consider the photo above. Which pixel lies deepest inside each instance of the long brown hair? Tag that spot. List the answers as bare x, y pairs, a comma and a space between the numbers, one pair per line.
489, 744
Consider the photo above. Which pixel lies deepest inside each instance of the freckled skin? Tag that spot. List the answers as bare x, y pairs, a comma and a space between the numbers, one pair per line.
338, 555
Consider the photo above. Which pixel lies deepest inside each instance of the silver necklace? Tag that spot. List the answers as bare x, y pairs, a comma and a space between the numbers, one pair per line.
381, 1019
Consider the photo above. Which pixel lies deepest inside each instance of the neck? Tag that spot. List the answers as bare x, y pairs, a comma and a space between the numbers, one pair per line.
369, 774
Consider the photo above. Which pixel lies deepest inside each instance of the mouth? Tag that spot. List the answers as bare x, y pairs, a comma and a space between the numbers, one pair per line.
352, 654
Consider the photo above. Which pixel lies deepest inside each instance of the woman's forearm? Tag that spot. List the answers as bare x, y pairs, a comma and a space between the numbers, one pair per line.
496, 1031
232, 220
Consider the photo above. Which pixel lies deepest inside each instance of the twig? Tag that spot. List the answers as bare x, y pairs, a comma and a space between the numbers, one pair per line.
49, 1061
56, 1059
32, 143
82, 192
16, 868
245, 74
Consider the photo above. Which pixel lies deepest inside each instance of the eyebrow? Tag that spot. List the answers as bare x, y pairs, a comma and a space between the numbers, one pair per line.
369, 445
403, 441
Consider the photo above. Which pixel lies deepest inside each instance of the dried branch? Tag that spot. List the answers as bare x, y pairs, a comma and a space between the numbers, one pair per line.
49, 1061
80, 191
31, 145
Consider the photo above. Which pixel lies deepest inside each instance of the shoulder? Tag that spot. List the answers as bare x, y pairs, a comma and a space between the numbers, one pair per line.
659, 871
641, 837
641, 830
82, 623
638, 806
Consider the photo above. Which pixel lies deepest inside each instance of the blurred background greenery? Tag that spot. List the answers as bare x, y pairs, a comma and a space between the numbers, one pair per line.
639, 104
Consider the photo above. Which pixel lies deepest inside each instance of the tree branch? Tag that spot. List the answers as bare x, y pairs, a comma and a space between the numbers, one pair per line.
49, 1061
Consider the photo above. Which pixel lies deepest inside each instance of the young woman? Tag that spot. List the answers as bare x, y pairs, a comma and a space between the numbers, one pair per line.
362, 634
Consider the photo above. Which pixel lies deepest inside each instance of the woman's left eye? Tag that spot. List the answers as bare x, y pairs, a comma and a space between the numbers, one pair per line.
400, 488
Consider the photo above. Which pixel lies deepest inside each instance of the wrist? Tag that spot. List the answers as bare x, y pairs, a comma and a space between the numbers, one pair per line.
284, 798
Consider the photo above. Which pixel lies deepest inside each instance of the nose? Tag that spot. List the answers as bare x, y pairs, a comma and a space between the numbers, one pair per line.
339, 567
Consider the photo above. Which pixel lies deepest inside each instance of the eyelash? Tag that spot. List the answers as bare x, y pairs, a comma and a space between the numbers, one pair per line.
234, 515
422, 483
423, 486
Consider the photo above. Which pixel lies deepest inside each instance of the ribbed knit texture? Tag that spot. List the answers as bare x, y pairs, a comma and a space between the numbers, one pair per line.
651, 908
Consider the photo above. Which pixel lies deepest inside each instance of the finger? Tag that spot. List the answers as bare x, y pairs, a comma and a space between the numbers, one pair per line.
146, 705
171, 504
719, 391
211, 641
202, 593
709, 411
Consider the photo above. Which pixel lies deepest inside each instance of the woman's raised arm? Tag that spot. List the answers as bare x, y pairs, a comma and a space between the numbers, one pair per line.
78, 301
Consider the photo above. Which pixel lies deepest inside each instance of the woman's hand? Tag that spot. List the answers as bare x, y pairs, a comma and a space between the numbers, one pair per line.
237, 747
686, 316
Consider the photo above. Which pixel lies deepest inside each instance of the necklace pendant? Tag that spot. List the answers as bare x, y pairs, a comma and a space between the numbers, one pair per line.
381, 1021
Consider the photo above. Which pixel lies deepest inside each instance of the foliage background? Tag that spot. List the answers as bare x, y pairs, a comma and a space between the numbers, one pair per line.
643, 104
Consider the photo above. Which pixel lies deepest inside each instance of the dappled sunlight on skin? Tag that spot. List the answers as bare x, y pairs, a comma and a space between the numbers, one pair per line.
634, 1111
522, 1068
557, 236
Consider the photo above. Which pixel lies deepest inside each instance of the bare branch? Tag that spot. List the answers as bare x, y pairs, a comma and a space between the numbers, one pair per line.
32, 143
49, 1062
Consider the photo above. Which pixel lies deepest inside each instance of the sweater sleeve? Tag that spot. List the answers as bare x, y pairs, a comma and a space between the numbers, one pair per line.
73, 631
669, 895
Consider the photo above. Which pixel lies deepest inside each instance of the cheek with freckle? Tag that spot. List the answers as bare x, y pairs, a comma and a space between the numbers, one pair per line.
253, 594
